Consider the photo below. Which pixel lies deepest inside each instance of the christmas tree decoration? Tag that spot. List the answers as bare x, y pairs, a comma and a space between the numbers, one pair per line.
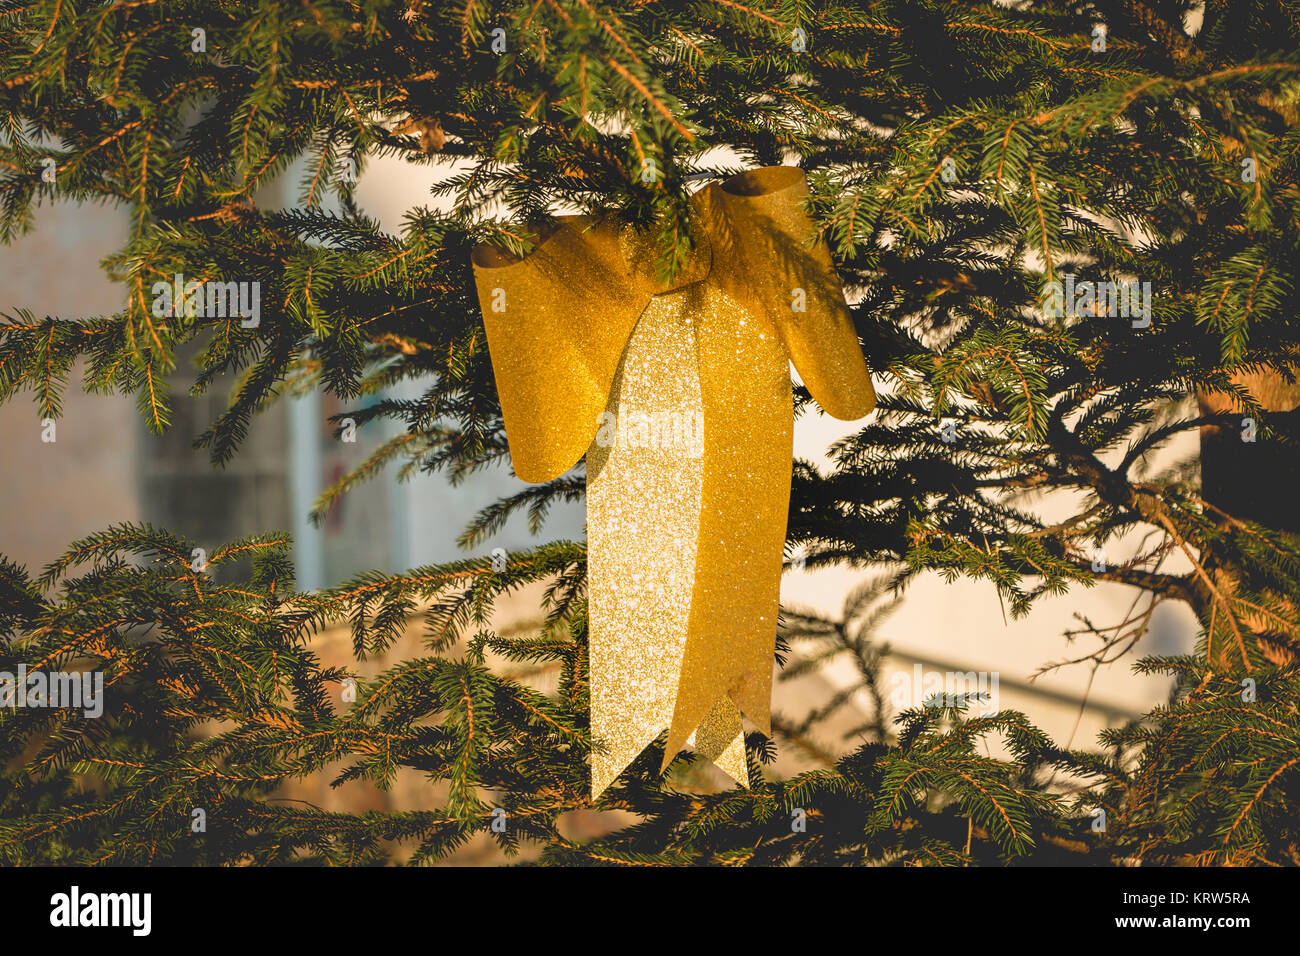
678, 394
968, 160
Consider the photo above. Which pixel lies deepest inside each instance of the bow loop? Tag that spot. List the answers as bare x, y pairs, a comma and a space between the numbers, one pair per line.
786, 269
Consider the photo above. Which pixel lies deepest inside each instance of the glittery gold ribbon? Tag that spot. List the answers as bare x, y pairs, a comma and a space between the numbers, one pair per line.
594, 356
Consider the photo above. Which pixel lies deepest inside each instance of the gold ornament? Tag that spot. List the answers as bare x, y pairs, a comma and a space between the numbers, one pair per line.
678, 394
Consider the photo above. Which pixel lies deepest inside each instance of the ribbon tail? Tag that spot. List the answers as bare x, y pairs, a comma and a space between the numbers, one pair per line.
748, 439
623, 744
720, 738
643, 507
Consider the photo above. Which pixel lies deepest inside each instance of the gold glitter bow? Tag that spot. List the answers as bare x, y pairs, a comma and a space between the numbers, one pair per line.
678, 394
